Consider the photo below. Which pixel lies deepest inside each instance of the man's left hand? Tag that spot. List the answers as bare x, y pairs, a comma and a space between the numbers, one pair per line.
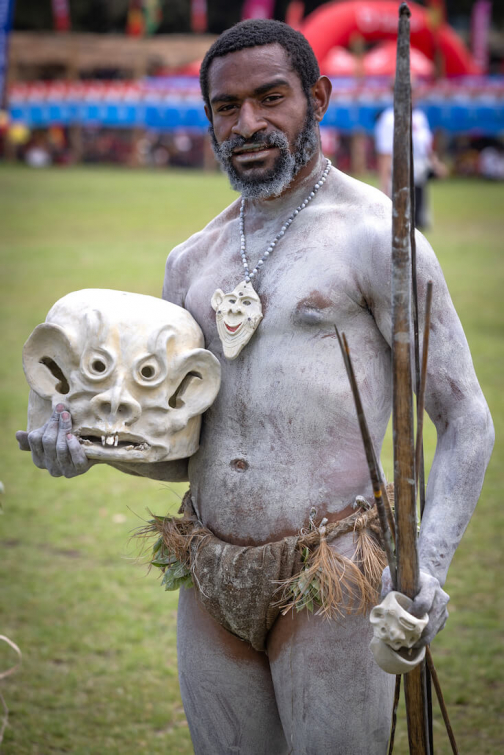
431, 599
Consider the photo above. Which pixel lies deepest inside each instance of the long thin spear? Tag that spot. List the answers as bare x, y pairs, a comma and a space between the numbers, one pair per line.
421, 389
421, 378
379, 490
408, 572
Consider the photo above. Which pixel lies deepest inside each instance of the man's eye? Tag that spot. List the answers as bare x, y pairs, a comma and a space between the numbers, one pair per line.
225, 108
272, 98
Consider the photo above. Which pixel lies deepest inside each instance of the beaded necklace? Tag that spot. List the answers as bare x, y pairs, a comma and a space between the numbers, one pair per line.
239, 313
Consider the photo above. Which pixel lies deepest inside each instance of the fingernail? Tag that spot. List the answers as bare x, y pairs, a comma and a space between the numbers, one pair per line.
69, 436
65, 415
60, 407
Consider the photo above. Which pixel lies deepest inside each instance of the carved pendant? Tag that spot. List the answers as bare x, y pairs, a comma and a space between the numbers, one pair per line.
237, 315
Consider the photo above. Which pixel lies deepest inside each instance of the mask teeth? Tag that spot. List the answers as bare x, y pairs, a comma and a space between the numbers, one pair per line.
103, 440
116, 440
109, 440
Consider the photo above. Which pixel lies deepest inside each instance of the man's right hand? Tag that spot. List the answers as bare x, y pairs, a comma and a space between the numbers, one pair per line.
54, 447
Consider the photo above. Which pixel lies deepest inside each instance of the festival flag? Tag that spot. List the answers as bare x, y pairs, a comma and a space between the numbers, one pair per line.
199, 16
295, 13
61, 15
436, 13
152, 15
135, 22
258, 9
144, 17
480, 30
6, 15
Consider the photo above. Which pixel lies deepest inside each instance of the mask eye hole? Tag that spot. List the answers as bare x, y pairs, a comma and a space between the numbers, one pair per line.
98, 366
147, 371
232, 301
247, 302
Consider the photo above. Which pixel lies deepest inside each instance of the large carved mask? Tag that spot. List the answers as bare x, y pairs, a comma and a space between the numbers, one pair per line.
131, 370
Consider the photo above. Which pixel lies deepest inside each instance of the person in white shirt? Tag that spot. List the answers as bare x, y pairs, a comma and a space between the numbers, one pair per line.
425, 161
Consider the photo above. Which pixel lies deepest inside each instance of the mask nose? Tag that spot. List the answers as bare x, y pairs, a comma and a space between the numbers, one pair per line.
116, 404
237, 309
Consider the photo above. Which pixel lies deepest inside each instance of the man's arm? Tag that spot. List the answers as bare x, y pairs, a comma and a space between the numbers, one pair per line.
465, 435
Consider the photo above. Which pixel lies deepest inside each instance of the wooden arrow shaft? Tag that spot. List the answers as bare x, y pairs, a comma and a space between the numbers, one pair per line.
403, 425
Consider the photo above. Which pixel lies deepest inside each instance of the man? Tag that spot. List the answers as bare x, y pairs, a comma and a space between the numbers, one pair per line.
425, 161
282, 437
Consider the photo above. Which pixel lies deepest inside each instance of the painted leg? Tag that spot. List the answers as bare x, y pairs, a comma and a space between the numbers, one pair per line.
332, 697
226, 688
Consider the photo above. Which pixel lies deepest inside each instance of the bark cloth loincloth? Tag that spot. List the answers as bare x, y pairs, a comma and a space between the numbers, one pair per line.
246, 587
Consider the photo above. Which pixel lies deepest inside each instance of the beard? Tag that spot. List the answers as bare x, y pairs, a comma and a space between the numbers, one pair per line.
287, 165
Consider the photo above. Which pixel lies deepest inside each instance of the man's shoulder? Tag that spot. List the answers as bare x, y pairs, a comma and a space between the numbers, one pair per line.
364, 206
214, 227
198, 243
184, 257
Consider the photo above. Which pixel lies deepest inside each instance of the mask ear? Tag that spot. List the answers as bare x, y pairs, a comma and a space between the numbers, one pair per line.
48, 358
198, 384
217, 299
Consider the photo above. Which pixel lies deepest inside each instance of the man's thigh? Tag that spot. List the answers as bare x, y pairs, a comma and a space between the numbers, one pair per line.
332, 697
226, 688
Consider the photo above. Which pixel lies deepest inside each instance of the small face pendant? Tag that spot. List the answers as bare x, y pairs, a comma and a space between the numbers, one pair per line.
237, 315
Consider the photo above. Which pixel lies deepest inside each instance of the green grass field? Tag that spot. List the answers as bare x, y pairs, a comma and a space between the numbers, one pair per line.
98, 634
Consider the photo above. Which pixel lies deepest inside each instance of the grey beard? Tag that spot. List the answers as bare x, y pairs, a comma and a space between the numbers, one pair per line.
286, 167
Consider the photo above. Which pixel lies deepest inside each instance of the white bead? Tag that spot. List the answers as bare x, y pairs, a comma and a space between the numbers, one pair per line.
266, 254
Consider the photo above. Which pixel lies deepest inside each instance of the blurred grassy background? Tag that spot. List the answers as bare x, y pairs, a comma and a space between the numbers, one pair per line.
97, 634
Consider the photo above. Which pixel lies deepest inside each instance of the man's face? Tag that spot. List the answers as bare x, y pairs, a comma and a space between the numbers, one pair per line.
263, 129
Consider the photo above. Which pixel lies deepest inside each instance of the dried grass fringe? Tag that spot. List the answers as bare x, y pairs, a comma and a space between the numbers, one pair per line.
331, 584
172, 550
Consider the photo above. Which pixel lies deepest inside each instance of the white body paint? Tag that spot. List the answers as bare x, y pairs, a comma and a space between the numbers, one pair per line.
131, 370
282, 437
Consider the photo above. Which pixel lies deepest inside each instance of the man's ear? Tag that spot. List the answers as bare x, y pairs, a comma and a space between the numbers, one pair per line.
208, 113
321, 94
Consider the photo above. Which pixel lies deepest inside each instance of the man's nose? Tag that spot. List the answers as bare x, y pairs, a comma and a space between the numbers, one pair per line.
249, 121
116, 404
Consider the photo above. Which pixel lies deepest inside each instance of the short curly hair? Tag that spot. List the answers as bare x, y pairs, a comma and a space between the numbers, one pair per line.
259, 32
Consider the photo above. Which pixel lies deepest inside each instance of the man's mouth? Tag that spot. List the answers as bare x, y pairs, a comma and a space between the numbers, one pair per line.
252, 153
250, 148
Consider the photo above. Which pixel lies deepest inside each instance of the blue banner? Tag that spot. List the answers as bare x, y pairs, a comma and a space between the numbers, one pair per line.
6, 16
469, 106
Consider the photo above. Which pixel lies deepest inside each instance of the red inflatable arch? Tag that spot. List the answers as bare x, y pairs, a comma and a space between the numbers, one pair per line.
376, 20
